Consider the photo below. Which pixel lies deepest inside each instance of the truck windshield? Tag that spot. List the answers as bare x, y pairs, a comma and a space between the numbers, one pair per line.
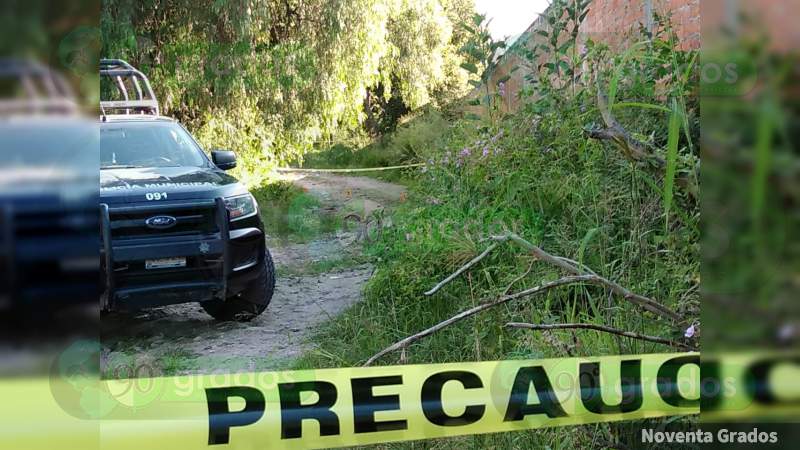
147, 144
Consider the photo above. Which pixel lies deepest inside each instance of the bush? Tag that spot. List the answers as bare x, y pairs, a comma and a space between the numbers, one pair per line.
417, 135
290, 213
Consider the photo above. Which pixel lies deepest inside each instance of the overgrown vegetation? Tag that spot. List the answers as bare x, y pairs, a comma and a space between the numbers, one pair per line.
482, 55
609, 185
413, 139
599, 166
273, 79
750, 196
291, 214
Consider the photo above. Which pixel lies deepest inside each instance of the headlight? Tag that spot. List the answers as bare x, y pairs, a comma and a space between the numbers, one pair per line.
241, 206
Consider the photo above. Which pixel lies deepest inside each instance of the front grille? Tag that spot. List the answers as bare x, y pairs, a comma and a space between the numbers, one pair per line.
135, 274
54, 224
128, 243
47, 252
130, 223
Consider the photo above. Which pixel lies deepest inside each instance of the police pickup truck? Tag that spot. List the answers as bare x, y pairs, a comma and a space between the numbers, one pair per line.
175, 227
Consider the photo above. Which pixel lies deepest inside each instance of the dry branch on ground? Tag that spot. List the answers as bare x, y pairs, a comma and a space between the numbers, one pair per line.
404, 343
569, 267
603, 328
578, 274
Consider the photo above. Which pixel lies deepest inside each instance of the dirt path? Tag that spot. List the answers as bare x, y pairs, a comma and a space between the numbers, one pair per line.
184, 339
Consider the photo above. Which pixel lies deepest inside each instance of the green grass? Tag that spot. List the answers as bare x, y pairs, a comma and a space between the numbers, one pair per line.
292, 214
127, 362
177, 360
575, 197
416, 136
672, 155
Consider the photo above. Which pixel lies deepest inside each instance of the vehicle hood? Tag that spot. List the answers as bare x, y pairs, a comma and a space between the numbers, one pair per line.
133, 185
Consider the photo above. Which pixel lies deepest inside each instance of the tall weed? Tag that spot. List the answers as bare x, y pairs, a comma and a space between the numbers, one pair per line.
537, 174
675, 121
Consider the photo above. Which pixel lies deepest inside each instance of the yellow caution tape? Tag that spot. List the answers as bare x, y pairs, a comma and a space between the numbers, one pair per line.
366, 169
345, 407
750, 386
368, 405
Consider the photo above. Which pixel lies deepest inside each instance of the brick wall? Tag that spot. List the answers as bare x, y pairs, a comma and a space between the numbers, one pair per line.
776, 18
611, 22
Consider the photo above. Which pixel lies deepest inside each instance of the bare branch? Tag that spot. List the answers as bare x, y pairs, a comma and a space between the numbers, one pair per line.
538, 252
644, 302
568, 266
461, 270
603, 328
632, 148
402, 344
515, 280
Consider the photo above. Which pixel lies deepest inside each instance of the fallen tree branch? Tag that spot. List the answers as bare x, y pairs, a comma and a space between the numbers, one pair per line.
630, 146
404, 343
603, 328
566, 265
633, 149
461, 270
640, 300
579, 265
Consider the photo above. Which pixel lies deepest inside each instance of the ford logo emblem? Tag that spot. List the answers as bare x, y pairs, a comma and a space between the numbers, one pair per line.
161, 222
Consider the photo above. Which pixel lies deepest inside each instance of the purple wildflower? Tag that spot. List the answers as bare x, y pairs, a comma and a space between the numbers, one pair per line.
485, 152
465, 153
690, 331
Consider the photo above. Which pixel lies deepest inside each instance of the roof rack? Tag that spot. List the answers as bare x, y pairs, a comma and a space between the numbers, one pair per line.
39, 90
132, 85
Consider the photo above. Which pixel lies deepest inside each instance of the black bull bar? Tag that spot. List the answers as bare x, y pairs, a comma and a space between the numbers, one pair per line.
217, 255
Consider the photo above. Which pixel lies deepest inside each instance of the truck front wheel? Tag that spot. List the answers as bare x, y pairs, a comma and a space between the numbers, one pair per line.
251, 302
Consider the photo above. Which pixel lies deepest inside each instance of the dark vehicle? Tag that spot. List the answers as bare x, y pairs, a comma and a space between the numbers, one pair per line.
48, 196
175, 227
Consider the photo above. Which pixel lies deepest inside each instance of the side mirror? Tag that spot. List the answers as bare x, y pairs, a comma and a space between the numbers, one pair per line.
223, 159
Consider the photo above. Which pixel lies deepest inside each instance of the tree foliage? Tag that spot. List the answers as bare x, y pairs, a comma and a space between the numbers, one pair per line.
270, 78
482, 53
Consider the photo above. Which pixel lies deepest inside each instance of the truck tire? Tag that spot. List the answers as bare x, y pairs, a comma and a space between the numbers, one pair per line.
251, 302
